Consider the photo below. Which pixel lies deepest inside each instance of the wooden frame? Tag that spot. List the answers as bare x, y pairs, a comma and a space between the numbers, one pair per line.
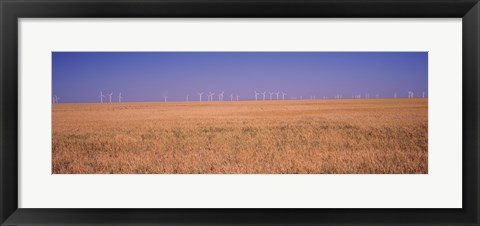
12, 10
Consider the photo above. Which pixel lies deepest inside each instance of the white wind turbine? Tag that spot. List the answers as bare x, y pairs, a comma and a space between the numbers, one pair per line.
423, 94
395, 95
101, 97
277, 93
238, 96
119, 97
410, 94
283, 95
165, 97
376, 96
110, 95
55, 99
231, 97
271, 93
264, 93
187, 97
220, 96
210, 96
256, 95
200, 95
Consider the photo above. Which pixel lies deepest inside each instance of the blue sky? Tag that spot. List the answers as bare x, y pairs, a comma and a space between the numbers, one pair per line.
148, 76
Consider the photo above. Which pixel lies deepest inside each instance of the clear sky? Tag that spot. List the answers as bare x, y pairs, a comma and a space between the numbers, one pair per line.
148, 76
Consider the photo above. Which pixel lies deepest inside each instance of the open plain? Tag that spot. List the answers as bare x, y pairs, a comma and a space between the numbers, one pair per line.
356, 136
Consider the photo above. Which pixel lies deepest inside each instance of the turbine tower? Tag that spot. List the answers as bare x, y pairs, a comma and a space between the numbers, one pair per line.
187, 97
283, 95
264, 93
410, 94
277, 93
220, 96
200, 95
55, 99
101, 97
231, 97
210, 96
119, 97
256, 95
165, 97
237, 97
110, 95
423, 94
271, 93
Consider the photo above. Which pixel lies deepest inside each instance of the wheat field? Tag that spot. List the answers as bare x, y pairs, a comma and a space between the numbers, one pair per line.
367, 136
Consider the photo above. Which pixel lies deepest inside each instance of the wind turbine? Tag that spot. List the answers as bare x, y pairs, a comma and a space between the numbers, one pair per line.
237, 97
101, 97
210, 96
277, 93
283, 95
376, 96
395, 95
165, 97
187, 97
119, 97
271, 93
220, 96
264, 93
231, 97
200, 94
423, 94
55, 99
256, 95
110, 95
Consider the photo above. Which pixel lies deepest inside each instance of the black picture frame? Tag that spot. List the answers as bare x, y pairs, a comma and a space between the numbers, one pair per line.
12, 10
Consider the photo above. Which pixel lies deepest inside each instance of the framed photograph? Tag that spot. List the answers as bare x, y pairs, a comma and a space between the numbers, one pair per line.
254, 113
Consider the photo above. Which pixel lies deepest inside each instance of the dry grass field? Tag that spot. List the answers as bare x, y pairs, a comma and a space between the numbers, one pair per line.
367, 136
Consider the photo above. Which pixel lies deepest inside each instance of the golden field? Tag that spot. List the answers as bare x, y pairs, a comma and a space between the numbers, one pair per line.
358, 136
